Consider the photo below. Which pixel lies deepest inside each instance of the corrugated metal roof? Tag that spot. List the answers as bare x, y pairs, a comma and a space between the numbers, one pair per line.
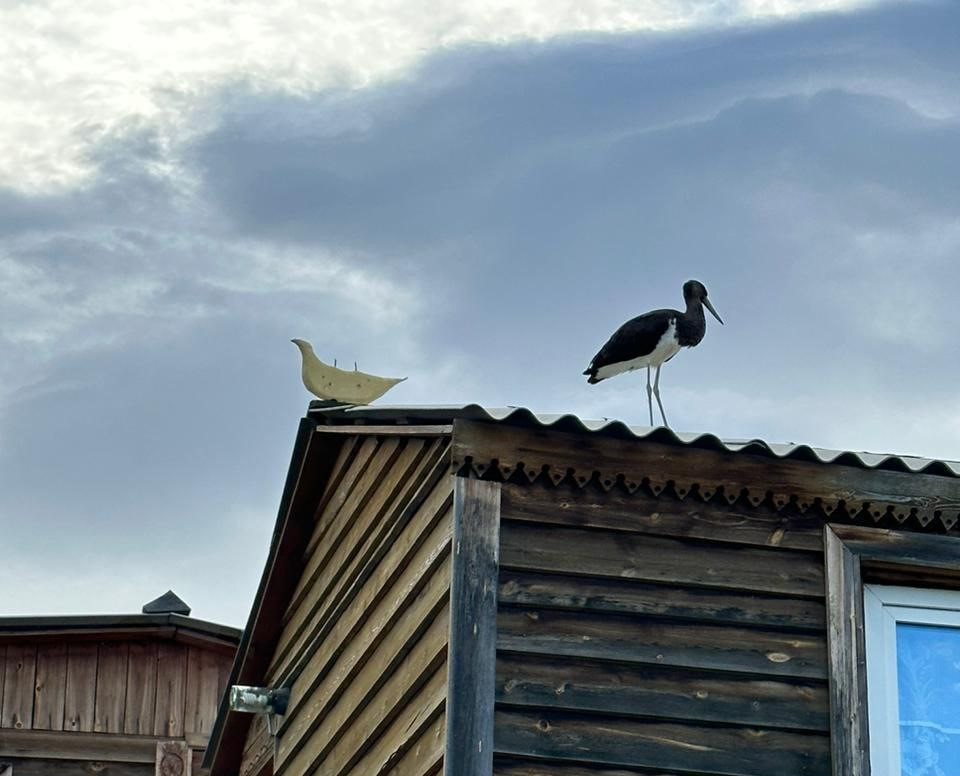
521, 416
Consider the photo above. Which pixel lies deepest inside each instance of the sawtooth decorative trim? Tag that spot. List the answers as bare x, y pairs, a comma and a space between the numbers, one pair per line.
524, 455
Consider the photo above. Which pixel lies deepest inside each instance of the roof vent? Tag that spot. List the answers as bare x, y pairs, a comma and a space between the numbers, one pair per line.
168, 603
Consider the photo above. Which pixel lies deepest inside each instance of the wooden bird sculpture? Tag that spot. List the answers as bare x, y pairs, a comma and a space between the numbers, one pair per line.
341, 385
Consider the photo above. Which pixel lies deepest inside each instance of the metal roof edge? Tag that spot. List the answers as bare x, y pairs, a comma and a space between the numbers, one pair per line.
213, 755
67, 623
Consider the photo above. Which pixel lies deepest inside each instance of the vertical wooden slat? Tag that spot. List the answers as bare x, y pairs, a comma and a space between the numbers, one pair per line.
845, 643
471, 683
18, 686
3, 674
111, 687
51, 687
203, 678
226, 664
171, 689
141, 697
81, 687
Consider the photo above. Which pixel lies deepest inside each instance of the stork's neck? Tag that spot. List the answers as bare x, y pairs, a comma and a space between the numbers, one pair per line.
692, 324
694, 311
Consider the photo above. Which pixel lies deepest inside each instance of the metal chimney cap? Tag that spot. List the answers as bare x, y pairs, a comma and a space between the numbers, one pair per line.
168, 603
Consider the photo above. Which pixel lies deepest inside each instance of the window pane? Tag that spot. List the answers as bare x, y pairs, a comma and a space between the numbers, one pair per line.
928, 678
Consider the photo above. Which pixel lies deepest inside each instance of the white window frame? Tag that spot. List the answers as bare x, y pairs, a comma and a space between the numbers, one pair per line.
884, 606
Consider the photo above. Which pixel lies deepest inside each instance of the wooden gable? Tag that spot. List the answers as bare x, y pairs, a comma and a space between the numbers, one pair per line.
77, 690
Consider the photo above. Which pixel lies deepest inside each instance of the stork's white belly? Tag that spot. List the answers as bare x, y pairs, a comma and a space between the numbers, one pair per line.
666, 348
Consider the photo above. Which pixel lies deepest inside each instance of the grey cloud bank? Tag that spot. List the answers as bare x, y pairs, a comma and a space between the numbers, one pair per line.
807, 172
480, 225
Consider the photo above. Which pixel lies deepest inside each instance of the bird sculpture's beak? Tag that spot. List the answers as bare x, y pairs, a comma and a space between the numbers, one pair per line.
710, 308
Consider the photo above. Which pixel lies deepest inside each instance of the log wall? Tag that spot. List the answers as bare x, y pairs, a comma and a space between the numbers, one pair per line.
364, 639
642, 635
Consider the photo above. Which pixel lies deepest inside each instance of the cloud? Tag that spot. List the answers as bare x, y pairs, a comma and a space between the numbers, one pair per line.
77, 72
479, 221
595, 177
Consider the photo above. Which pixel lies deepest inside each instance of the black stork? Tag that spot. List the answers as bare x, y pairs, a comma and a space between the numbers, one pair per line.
653, 338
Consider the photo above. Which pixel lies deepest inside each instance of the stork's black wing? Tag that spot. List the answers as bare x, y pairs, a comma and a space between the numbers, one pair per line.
637, 337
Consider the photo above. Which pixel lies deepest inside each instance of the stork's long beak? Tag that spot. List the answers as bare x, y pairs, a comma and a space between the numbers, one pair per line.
710, 308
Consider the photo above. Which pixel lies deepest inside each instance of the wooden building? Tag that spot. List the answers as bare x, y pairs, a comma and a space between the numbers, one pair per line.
119, 695
473, 592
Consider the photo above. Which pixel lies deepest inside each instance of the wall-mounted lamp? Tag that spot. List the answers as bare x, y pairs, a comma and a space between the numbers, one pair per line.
259, 700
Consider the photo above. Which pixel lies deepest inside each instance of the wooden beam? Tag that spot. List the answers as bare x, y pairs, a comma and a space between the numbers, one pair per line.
642, 514
543, 454
31, 766
389, 430
68, 745
662, 745
471, 685
882, 546
692, 695
846, 659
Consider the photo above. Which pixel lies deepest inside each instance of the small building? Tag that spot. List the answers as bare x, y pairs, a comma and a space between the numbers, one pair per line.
118, 695
475, 592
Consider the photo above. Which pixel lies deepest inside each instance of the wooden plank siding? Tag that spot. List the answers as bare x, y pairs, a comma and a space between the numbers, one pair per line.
141, 690
110, 702
142, 687
354, 528
81, 687
18, 689
258, 748
171, 690
51, 684
640, 635
364, 642
373, 637
203, 690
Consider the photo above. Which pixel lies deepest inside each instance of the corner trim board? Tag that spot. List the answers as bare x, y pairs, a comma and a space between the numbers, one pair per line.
471, 683
850, 746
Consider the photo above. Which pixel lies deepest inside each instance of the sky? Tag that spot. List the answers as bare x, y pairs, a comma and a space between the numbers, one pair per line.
473, 195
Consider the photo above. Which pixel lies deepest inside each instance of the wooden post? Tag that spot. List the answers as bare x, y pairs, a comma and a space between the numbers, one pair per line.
173, 758
473, 628
848, 702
